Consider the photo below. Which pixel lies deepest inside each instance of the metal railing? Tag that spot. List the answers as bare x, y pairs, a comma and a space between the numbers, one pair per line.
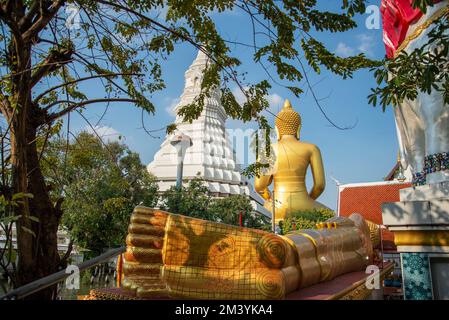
55, 278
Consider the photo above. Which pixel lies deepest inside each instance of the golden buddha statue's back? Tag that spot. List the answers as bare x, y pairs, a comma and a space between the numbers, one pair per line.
292, 160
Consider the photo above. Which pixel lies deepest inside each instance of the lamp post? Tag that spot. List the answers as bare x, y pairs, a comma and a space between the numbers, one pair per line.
181, 142
273, 214
243, 187
382, 243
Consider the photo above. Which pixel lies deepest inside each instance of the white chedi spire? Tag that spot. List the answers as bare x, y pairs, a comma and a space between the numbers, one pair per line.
192, 88
211, 154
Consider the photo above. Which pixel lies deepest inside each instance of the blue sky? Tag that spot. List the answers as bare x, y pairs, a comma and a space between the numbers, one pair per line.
362, 154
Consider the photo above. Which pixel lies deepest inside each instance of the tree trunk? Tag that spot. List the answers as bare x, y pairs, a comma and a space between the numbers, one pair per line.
36, 236
37, 240
38, 218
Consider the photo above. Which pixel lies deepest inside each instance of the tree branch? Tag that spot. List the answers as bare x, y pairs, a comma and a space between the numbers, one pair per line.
26, 21
40, 96
160, 25
47, 13
6, 11
75, 105
55, 59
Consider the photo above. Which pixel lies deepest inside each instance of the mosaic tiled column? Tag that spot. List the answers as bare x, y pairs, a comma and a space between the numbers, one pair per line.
417, 283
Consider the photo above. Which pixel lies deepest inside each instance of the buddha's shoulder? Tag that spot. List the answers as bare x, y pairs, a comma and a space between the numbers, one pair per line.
308, 146
289, 146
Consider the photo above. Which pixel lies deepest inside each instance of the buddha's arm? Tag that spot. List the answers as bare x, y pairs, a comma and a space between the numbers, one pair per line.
319, 181
261, 184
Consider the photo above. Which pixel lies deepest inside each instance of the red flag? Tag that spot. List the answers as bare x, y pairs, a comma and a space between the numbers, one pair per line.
397, 16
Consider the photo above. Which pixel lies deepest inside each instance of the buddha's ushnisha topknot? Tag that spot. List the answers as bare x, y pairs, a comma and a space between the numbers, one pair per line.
287, 120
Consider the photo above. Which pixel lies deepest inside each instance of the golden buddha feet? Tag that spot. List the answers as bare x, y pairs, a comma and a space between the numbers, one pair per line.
182, 257
176, 256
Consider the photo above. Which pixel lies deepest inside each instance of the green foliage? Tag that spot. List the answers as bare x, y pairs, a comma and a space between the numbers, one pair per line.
422, 4
317, 54
227, 210
101, 184
132, 42
8, 219
194, 200
306, 219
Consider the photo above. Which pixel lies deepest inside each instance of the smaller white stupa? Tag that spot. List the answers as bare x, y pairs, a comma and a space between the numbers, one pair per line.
211, 155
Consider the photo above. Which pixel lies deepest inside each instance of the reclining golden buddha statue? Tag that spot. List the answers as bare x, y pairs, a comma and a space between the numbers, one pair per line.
176, 256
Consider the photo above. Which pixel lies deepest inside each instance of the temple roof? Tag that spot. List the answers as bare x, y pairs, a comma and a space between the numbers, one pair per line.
367, 199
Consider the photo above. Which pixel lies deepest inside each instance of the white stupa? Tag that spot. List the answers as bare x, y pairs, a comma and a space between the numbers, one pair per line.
211, 156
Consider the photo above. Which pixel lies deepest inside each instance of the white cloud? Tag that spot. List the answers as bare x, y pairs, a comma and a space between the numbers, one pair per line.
366, 44
171, 104
107, 134
343, 50
238, 94
274, 100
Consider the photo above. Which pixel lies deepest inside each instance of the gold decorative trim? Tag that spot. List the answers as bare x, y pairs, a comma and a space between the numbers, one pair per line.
119, 270
417, 32
164, 243
102, 295
374, 232
422, 238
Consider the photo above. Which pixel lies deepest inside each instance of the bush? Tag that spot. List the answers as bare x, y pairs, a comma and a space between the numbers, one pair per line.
306, 219
227, 210
194, 200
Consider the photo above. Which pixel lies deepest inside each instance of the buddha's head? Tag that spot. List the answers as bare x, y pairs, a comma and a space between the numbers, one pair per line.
288, 121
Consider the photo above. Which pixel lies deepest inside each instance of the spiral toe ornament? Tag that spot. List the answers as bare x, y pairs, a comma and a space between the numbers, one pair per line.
272, 250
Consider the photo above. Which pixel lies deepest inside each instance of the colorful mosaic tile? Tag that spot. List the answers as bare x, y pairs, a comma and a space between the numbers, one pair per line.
416, 276
433, 163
